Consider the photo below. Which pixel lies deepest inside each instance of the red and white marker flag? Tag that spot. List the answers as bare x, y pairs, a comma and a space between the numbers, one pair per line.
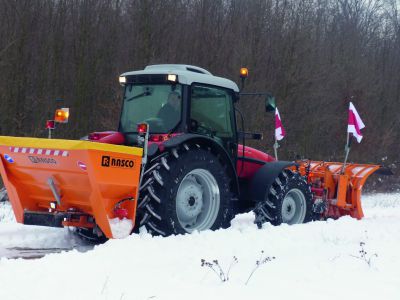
279, 130
355, 124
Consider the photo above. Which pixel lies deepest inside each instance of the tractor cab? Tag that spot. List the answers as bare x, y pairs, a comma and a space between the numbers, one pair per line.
178, 99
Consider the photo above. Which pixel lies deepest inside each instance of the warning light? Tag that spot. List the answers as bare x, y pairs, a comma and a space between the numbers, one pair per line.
61, 115
159, 138
244, 72
120, 213
142, 128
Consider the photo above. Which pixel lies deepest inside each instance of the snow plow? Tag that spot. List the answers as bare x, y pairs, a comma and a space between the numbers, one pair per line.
176, 164
335, 189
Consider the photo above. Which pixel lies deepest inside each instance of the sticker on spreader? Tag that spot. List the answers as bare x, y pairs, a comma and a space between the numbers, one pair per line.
37, 151
8, 158
82, 165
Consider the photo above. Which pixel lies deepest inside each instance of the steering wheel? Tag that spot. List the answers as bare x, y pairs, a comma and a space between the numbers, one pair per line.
154, 123
195, 125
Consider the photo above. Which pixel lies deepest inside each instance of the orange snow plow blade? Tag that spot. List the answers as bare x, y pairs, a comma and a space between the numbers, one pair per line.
339, 189
70, 183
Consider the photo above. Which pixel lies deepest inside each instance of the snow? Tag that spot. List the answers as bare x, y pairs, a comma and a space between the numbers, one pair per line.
31, 241
315, 260
6, 213
120, 228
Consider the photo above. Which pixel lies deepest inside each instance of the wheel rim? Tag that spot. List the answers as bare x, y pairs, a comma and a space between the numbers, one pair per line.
197, 200
294, 207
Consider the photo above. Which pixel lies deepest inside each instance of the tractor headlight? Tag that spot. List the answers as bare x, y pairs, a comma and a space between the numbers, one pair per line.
122, 80
172, 77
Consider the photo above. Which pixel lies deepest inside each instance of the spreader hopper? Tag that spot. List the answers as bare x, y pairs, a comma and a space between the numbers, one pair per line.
71, 183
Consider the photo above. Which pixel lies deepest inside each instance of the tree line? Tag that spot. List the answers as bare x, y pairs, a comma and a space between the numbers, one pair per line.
313, 55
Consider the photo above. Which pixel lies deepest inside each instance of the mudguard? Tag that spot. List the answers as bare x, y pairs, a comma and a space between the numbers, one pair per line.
265, 176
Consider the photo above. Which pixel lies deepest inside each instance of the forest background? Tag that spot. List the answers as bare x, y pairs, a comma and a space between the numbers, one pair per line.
313, 55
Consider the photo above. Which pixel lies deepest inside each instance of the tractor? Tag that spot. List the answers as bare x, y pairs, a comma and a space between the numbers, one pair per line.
177, 164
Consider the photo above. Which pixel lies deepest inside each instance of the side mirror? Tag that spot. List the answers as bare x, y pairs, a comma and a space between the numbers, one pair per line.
270, 104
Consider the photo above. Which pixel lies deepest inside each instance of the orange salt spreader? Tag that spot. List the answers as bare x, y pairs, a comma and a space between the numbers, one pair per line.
70, 183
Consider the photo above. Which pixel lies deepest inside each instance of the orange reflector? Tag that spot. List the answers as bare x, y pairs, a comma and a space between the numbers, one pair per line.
244, 72
62, 115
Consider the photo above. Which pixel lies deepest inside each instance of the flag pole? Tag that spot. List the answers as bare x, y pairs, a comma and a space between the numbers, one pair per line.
276, 146
347, 150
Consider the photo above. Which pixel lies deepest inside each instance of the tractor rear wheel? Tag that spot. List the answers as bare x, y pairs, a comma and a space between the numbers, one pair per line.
289, 201
183, 191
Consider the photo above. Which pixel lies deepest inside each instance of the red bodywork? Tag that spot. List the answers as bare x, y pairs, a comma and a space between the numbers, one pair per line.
247, 165
107, 137
118, 138
252, 160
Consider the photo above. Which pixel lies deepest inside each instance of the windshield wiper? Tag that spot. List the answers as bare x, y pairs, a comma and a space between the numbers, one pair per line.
139, 96
147, 92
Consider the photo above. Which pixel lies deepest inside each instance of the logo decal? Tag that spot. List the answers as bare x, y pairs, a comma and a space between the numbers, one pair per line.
115, 162
105, 161
9, 158
82, 165
42, 160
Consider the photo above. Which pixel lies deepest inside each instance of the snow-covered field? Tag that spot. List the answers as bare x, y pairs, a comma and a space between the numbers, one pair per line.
319, 260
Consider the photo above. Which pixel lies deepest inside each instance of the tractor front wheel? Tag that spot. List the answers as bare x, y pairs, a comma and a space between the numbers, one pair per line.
289, 201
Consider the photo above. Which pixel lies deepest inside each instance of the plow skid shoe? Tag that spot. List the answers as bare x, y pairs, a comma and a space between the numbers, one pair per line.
70, 183
338, 185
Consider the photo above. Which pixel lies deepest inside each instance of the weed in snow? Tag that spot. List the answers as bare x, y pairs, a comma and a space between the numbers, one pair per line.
261, 261
217, 269
364, 256
224, 276
104, 288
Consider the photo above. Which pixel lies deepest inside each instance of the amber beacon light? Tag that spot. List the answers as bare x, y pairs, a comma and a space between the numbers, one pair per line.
244, 72
62, 115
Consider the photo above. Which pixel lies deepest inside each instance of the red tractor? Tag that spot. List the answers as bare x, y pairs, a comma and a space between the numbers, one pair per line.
193, 175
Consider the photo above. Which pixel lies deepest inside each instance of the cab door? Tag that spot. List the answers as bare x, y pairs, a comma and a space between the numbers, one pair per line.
212, 114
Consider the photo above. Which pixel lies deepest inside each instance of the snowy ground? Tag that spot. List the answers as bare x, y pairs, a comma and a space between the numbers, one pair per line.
320, 260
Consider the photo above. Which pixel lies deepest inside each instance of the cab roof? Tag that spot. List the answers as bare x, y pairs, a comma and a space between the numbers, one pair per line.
187, 74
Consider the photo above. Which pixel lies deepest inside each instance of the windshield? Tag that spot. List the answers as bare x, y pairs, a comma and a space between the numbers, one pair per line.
159, 105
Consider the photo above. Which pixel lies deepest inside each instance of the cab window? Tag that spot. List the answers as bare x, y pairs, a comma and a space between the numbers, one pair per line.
211, 111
